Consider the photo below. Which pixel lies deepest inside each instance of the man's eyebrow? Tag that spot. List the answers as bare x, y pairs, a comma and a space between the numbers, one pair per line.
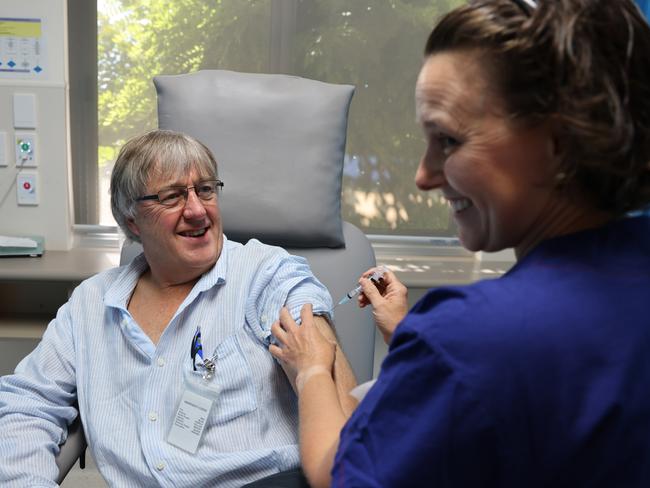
169, 183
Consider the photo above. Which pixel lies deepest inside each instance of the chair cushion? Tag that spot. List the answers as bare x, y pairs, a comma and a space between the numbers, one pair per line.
279, 142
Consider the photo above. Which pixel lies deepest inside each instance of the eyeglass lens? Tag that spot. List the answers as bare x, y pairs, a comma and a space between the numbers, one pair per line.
205, 190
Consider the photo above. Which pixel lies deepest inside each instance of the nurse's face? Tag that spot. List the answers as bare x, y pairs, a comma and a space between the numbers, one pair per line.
496, 176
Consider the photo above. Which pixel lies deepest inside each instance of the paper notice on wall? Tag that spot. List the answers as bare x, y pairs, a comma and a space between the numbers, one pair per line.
21, 48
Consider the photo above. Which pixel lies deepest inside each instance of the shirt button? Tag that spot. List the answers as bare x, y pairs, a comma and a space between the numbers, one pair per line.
153, 416
160, 362
264, 317
160, 466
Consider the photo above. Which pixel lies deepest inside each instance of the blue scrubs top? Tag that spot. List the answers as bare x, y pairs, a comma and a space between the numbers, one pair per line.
538, 378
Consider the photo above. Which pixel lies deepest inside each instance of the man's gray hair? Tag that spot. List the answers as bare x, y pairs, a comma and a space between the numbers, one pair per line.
161, 154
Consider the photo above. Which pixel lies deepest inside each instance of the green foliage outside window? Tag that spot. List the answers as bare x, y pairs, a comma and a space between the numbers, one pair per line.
375, 45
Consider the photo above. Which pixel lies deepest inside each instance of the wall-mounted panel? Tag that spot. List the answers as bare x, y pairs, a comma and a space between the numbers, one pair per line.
34, 107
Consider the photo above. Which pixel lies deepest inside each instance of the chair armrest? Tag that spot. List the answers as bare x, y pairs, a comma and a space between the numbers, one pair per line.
72, 449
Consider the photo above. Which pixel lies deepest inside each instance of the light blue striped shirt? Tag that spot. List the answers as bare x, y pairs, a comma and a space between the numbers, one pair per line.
128, 389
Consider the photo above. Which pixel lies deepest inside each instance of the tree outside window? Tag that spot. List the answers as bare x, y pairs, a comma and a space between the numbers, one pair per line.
375, 45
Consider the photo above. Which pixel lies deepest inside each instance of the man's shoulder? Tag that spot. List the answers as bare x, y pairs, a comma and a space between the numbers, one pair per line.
103, 279
99, 284
255, 252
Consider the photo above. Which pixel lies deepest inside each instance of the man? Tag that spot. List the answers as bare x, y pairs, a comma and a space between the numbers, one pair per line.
168, 356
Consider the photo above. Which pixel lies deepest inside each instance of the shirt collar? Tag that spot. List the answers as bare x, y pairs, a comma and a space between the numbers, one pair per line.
119, 292
217, 274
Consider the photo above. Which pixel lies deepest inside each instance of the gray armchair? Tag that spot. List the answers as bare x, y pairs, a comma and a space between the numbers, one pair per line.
279, 142
72, 450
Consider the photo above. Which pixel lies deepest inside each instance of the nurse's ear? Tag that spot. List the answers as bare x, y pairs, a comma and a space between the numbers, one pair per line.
555, 150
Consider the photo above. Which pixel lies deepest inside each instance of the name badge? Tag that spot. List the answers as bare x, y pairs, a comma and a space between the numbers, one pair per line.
189, 422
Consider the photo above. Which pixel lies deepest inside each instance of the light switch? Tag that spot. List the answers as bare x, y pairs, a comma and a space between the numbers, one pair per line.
27, 188
3, 149
25, 146
24, 111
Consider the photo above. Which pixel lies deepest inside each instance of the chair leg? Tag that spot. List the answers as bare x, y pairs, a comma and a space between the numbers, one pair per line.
82, 460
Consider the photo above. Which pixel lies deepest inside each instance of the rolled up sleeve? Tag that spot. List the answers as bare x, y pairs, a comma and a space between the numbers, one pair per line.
284, 280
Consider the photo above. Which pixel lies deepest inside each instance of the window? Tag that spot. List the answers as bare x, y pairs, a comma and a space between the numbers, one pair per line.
375, 45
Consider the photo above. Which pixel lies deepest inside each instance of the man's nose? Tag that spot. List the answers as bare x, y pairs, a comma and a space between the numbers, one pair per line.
194, 207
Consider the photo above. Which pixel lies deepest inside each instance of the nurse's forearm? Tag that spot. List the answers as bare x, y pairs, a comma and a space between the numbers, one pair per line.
321, 421
343, 376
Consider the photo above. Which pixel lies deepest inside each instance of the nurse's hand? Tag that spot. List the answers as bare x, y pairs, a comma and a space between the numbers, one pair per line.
389, 300
302, 351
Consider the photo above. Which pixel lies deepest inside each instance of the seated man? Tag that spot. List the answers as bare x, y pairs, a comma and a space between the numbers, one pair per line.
167, 357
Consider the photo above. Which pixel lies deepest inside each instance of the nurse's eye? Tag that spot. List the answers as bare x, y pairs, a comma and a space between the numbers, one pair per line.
447, 143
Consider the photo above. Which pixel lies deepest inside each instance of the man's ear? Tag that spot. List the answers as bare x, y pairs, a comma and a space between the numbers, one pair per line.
133, 227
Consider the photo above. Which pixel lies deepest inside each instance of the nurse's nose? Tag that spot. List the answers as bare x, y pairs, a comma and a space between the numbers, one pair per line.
430, 174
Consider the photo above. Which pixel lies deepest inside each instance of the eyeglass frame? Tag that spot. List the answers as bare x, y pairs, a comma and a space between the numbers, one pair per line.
184, 190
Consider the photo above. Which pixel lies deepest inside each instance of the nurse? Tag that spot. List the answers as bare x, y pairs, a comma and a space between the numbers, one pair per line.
537, 121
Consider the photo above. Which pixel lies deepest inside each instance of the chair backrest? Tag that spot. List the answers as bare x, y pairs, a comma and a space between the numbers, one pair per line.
280, 141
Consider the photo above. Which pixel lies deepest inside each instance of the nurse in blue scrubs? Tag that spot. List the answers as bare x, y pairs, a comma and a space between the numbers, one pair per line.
537, 121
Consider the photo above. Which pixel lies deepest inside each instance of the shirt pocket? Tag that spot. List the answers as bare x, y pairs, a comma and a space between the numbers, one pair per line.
232, 388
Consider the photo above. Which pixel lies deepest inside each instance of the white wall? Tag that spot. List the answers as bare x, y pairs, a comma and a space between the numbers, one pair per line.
52, 217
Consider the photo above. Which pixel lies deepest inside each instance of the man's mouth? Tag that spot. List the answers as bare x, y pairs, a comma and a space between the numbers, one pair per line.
194, 233
460, 204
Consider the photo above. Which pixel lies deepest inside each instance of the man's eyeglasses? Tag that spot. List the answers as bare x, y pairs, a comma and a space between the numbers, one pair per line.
174, 195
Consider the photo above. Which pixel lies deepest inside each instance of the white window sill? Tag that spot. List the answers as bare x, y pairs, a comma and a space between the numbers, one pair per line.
418, 262
428, 262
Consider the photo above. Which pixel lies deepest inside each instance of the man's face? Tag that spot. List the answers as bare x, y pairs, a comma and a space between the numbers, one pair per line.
180, 242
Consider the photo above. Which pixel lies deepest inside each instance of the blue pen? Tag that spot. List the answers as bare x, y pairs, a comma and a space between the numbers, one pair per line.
197, 347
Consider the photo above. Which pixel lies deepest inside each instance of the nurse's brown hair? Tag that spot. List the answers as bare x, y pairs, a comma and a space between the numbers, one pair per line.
584, 65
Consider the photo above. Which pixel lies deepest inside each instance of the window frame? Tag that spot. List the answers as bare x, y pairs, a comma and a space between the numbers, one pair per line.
82, 35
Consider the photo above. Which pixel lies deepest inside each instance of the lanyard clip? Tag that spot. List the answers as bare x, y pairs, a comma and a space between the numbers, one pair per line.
197, 350
209, 368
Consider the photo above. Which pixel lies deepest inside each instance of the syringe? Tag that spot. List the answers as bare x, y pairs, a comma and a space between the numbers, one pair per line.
374, 277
